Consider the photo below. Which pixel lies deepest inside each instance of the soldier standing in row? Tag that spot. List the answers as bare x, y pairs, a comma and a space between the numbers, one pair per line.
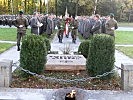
35, 24
21, 23
111, 25
96, 29
74, 29
61, 27
49, 29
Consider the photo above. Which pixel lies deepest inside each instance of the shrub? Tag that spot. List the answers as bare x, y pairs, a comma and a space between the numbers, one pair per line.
33, 54
84, 48
48, 45
101, 55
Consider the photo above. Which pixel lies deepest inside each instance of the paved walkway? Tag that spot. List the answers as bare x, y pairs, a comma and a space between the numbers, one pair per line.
125, 29
66, 42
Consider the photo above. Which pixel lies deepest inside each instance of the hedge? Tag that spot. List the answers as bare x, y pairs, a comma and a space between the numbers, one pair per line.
84, 48
33, 54
101, 55
48, 45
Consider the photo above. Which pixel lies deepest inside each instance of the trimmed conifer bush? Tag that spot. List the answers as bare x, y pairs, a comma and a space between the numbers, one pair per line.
48, 45
101, 55
84, 48
33, 54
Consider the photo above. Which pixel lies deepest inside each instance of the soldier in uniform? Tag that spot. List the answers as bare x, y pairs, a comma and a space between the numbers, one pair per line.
61, 27
74, 24
111, 25
21, 23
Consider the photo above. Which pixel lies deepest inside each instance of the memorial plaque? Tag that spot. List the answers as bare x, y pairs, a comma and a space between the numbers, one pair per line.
65, 62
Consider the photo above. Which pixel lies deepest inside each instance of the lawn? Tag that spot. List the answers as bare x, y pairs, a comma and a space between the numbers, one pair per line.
124, 37
9, 34
5, 46
121, 37
126, 50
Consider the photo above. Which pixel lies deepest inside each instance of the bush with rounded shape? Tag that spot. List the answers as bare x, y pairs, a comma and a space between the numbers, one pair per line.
33, 54
48, 45
84, 48
101, 55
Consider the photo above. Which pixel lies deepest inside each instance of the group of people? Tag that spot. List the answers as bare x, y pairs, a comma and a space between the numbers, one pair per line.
66, 26
96, 25
40, 24
46, 24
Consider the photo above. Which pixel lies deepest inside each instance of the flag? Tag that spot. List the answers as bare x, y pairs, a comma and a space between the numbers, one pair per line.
66, 28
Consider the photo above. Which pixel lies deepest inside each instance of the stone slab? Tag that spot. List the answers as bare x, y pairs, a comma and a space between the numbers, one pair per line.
47, 94
127, 76
57, 62
5, 72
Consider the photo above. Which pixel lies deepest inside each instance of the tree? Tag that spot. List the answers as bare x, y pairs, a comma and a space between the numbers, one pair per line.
105, 7
75, 7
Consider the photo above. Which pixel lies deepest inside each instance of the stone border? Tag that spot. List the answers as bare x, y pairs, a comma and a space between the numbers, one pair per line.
127, 76
5, 73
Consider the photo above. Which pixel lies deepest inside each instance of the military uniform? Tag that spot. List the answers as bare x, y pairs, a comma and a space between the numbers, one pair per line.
21, 23
61, 27
111, 25
74, 30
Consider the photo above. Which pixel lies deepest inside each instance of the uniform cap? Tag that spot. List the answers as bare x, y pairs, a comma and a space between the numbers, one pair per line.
111, 15
21, 12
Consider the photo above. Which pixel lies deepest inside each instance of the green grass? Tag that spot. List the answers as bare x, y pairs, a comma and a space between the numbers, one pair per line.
125, 24
124, 37
9, 34
126, 50
5, 46
121, 37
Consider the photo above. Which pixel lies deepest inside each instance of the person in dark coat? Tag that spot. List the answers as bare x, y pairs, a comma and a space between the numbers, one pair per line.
21, 23
87, 32
44, 22
96, 29
35, 24
49, 26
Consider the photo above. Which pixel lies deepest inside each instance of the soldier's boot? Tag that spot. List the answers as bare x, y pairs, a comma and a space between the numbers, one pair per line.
18, 48
60, 40
74, 41
67, 35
